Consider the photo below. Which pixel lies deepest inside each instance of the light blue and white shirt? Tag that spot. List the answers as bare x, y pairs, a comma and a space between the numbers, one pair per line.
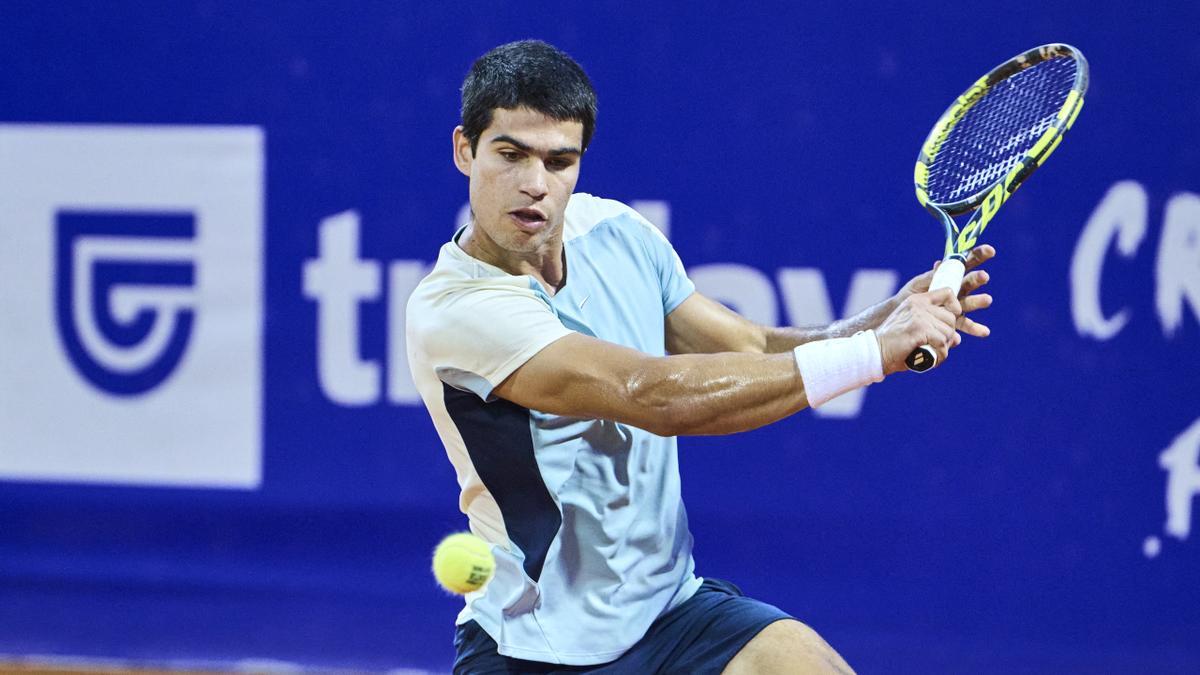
584, 516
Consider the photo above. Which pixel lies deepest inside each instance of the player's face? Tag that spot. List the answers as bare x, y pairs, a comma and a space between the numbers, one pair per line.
522, 173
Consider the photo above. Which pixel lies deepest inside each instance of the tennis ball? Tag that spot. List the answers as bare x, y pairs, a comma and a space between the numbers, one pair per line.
463, 563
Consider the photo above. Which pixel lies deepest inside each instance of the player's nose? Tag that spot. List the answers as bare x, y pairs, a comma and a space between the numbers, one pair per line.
534, 181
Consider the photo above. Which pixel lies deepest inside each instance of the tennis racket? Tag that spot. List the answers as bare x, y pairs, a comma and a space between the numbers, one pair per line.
986, 144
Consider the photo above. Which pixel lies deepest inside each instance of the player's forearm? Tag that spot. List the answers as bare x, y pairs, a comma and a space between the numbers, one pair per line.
716, 393
581, 376
785, 338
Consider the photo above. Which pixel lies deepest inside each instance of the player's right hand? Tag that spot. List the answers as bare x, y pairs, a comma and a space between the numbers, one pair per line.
920, 319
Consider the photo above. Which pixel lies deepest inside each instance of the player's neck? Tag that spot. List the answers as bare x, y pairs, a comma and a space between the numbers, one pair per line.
546, 264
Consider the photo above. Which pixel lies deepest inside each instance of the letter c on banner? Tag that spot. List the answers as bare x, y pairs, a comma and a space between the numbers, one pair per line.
1121, 214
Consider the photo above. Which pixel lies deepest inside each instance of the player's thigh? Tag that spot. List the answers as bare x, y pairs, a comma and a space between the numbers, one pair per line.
786, 647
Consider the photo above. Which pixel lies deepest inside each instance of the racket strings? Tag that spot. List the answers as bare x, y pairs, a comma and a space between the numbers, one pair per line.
999, 130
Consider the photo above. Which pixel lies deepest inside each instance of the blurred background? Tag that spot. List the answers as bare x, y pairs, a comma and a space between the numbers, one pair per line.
212, 214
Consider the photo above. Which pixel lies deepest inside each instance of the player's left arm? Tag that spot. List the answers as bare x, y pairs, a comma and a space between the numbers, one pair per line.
700, 325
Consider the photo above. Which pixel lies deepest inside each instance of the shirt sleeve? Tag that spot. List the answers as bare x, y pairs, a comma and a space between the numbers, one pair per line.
477, 337
673, 278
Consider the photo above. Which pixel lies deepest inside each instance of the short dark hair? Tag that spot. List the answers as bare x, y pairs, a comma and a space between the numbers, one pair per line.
530, 74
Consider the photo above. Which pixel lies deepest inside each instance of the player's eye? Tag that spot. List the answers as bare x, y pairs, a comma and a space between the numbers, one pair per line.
510, 155
559, 164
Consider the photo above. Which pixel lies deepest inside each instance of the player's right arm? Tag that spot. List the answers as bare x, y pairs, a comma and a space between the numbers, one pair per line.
700, 325
698, 394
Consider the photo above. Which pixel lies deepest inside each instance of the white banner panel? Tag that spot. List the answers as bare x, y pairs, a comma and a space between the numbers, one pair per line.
131, 294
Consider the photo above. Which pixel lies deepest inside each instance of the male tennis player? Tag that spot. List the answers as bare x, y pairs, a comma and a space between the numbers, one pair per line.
560, 348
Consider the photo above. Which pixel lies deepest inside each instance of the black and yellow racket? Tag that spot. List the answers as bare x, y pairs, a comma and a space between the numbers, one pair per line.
989, 142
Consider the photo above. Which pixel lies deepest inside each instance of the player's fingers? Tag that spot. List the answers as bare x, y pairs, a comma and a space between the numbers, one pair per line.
943, 352
974, 302
942, 297
948, 333
972, 282
937, 329
943, 316
979, 255
954, 306
972, 328
937, 335
920, 284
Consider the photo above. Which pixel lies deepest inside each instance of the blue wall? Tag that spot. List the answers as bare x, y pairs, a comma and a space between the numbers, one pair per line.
1006, 512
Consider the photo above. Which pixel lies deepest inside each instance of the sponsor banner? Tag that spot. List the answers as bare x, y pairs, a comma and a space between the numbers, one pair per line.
131, 286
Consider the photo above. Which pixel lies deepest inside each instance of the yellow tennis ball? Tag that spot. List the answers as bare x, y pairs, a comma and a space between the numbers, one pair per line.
463, 563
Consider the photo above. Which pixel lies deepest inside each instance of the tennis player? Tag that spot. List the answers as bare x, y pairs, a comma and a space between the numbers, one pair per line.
560, 347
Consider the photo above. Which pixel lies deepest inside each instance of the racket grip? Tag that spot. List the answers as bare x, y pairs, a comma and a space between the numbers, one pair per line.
948, 275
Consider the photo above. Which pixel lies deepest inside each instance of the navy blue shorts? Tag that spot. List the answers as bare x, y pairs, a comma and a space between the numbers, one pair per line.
700, 636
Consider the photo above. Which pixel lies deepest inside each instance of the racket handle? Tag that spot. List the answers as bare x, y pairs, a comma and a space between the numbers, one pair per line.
948, 275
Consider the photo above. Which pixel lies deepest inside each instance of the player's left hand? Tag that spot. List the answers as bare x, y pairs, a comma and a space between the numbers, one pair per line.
967, 297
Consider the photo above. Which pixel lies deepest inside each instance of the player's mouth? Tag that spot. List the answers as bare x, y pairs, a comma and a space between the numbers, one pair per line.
529, 220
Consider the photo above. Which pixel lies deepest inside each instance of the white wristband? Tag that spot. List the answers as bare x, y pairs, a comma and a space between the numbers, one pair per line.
831, 368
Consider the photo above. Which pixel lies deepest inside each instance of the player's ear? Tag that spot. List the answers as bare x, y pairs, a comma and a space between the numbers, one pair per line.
463, 156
